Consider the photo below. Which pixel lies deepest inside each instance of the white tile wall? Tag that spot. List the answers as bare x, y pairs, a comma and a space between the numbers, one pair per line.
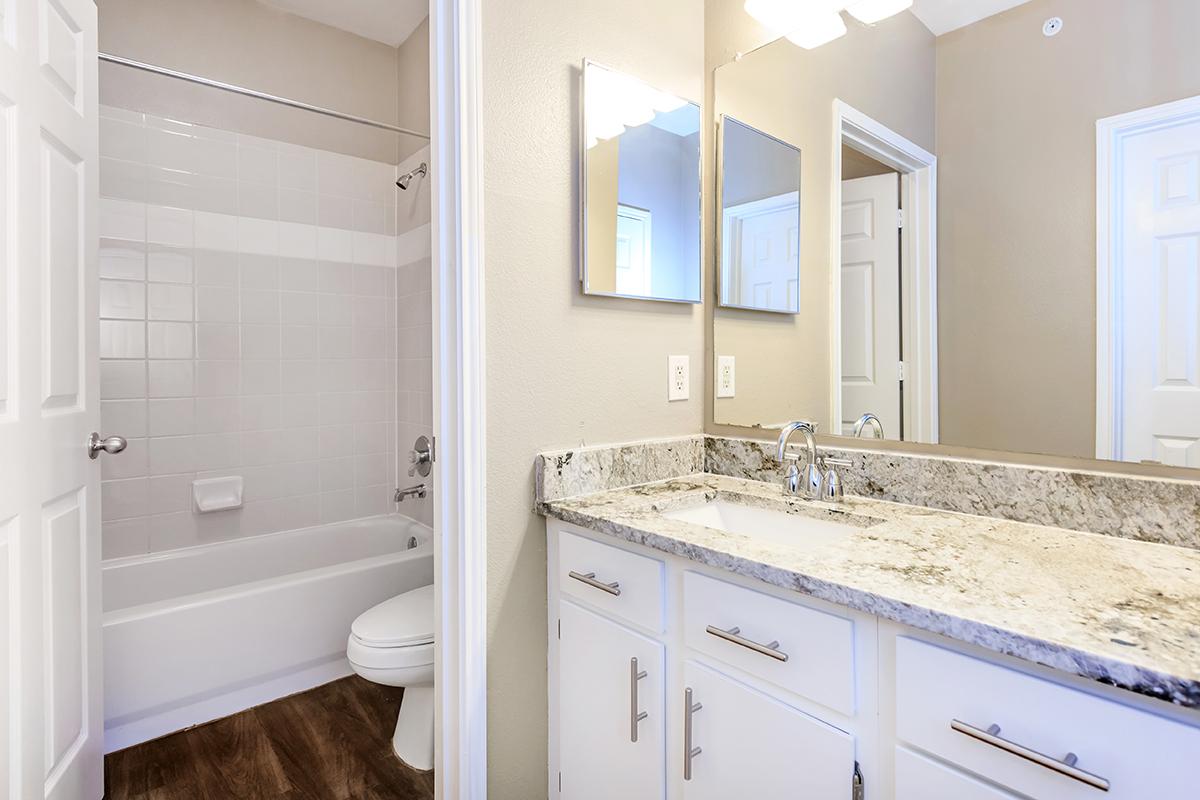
251, 325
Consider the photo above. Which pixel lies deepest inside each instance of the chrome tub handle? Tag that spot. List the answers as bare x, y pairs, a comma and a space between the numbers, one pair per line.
1065, 766
733, 635
589, 578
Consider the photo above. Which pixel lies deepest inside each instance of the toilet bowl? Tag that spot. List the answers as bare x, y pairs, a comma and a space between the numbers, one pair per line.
392, 644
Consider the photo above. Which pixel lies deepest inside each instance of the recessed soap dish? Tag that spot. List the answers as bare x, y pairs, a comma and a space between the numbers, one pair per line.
217, 494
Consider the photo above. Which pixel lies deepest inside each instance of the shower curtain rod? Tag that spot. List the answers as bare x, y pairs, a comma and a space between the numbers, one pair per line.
242, 90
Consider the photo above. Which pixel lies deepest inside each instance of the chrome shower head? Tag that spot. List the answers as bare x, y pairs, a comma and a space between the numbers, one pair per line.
406, 179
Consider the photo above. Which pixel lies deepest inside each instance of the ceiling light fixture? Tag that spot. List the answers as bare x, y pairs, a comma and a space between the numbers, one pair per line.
812, 23
817, 29
872, 11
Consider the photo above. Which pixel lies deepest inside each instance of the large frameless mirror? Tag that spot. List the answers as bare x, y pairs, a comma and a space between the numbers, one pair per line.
759, 230
999, 217
641, 190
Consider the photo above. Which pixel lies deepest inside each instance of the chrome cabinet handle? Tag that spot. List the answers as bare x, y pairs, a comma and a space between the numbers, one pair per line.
635, 716
689, 752
589, 578
111, 445
1066, 766
770, 650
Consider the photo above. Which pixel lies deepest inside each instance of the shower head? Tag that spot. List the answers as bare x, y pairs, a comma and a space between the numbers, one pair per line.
406, 179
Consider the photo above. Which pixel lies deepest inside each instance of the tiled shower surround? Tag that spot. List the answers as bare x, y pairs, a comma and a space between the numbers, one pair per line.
249, 299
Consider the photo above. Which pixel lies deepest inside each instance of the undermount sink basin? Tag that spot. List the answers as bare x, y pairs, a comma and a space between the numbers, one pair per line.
814, 526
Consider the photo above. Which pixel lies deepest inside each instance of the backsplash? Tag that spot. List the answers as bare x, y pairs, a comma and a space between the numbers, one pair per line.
249, 309
1147, 509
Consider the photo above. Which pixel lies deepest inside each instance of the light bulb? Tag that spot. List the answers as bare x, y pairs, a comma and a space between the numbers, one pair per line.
872, 11
784, 16
817, 29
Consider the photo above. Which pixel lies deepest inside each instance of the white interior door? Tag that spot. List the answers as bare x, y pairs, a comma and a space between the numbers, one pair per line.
597, 755
50, 689
871, 302
1159, 295
634, 251
762, 247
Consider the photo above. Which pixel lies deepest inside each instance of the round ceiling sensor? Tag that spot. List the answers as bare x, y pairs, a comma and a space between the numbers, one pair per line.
1052, 26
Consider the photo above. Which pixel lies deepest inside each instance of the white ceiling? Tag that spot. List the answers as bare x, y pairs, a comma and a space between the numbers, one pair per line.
387, 21
943, 16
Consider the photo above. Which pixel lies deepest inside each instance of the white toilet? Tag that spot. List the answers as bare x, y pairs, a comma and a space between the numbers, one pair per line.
392, 644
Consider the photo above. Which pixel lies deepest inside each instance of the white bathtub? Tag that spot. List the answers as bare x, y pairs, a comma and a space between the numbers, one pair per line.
196, 634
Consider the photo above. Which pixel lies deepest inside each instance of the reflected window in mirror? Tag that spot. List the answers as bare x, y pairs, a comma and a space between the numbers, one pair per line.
641, 195
759, 254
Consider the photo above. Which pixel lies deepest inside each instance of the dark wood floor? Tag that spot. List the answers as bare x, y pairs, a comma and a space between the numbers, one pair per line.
331, 743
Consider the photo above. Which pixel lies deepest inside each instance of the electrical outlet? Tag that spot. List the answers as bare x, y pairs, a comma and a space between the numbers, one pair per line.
725, 376
678, 379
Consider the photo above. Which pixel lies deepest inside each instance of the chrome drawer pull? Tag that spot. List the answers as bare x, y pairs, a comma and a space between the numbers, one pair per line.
613, 588
689, 752
635, 716
1064, 767
731, 635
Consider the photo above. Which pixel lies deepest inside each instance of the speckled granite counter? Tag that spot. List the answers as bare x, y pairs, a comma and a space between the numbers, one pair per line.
1122, 612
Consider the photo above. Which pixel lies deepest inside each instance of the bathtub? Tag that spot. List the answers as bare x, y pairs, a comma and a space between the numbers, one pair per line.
197, 634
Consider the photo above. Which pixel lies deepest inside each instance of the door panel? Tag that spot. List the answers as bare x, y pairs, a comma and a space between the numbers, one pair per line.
752, 745
1159, 390
871, 302
598, 758
762, 247
49, 506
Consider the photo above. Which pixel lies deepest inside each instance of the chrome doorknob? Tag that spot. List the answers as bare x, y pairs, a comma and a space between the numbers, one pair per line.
112, 445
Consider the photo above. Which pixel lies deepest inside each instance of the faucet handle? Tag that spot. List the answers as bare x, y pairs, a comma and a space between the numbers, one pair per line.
831, 487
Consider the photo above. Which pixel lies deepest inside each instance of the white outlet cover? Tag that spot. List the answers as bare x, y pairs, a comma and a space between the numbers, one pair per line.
726, 376
678, 378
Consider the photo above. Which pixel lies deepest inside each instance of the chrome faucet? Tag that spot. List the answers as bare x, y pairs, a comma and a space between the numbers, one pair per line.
417, 491
795, 482
873, 421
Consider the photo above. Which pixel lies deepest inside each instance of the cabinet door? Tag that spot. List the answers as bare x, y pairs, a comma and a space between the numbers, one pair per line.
598, 689
751, 745
921, 778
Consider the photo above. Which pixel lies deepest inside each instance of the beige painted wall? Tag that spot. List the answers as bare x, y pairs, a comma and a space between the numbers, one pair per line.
860, 165
1017, 189
563, 369
885, 71
250, 44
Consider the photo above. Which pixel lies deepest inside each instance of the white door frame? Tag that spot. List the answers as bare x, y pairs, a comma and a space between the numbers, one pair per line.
460, 566
918, 256
1111, 133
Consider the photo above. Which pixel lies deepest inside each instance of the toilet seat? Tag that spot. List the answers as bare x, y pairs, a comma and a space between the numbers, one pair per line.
402, 621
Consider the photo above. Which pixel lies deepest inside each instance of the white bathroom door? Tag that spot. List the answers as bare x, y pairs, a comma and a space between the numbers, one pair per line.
762, 240
871, 302
50, 689
1159, 293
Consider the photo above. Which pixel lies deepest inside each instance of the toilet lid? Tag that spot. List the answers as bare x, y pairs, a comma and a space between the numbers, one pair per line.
406, 619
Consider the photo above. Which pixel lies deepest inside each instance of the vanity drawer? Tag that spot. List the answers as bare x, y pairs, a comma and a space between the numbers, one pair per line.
946, 702
922, 778
805, 651
616, 581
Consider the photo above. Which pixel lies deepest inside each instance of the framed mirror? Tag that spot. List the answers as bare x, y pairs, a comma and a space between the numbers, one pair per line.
1001, 216
641, 190
758, 234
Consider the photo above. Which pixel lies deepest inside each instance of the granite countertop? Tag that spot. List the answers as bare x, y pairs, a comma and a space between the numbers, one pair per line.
1122, 612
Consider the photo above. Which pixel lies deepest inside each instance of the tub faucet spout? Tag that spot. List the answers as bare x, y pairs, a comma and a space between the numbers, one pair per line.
417, 491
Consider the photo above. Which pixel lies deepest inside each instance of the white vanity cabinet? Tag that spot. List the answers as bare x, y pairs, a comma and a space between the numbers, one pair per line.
740, 689
611, 684
745, 743
772, 683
